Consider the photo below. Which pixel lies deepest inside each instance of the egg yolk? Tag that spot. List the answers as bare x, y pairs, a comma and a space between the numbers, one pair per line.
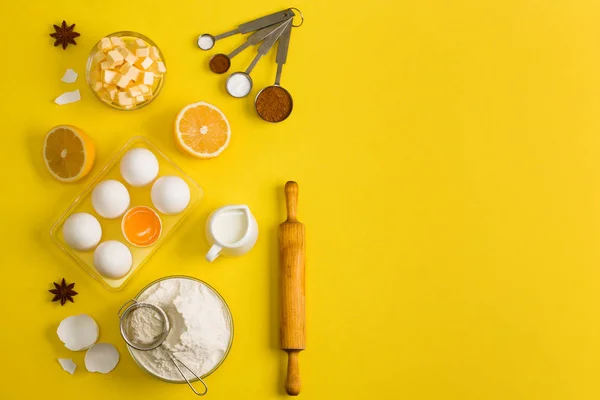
141, 226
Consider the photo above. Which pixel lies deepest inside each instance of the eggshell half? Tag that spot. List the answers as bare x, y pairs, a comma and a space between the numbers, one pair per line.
78, 332
101, 357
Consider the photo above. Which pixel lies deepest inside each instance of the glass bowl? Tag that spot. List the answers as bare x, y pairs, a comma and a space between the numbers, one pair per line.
134, 352
128, 37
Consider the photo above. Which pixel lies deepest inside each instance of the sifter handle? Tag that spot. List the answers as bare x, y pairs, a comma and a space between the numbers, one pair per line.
291, 200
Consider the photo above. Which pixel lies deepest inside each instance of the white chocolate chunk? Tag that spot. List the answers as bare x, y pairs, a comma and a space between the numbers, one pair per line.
68, 97
154, 54
99, 57
117, 41
160, 67
98, 86
135, 91
124, 99
105, 65
112, 93
141, 43
123, 51
144, 89
147, 63
131, 59
122, 81
70, 76
133, 73
115, 58
140, 99
108, 76
148, 78
142, 52
105, 44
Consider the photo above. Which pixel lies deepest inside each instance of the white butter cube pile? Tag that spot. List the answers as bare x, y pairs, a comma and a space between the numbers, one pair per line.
126, 71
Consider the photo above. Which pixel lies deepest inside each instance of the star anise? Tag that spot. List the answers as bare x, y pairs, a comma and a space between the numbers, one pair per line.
64, 35
63, 292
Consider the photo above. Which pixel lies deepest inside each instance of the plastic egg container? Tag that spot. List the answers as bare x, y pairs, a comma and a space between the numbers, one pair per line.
134, 204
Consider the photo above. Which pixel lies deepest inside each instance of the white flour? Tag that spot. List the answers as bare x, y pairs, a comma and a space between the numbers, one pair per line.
200, 328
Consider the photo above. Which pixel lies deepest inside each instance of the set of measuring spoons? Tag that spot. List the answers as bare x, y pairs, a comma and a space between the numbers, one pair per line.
273, 103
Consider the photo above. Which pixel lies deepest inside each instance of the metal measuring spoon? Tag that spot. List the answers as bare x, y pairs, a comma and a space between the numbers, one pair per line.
206, 41
274, 103
220, 63
239, 84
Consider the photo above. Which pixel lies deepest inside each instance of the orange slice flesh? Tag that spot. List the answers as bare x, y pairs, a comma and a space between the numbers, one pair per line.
202, 130
141, 226
68, 153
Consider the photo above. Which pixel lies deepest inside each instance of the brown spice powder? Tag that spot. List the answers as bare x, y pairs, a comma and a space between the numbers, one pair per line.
274, 104
219, 64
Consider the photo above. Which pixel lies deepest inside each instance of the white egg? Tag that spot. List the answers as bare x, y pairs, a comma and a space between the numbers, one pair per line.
82, 231
139, 167
110, 199
112, 259
170, 194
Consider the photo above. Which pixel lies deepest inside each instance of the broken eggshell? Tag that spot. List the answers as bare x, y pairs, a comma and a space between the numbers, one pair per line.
70, 76
68, 365
68, 97
101, 357
78, 332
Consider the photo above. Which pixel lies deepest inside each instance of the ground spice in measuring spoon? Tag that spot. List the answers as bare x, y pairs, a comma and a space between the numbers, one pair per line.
274, 104
219, 64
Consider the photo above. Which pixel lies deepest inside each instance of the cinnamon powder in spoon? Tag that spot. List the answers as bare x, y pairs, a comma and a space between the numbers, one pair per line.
274, 104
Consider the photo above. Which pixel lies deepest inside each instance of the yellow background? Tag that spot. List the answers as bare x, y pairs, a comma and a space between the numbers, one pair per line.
447, 156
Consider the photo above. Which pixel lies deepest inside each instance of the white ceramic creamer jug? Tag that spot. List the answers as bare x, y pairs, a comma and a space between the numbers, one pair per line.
231, 231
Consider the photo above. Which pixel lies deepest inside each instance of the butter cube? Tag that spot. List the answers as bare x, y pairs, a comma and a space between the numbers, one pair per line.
142, 52
131, 59
133, 73
106, 65
115, 58
140, 99
154, 54
113, 94
116, 41
105, 44
98, 86
135, 91
124, 99
123, 51
108, 76
144, 89
122, 81
99, 57
147, 63
124, 68
141, 43
160, 67
95, 75
148, 78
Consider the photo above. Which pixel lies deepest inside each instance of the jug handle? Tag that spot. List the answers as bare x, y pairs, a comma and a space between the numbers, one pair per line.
213, 253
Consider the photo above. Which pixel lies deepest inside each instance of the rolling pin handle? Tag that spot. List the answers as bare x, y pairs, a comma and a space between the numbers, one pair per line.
291, 200
292, 385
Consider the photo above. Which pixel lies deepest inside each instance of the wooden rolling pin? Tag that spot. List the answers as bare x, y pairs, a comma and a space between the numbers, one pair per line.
291, 283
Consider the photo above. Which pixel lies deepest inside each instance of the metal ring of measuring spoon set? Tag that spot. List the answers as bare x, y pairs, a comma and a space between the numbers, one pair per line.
206, 41
270, 29
158, 340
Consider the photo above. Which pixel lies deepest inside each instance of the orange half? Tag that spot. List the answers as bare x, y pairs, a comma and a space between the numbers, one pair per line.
201, 130
141, 226
68, 153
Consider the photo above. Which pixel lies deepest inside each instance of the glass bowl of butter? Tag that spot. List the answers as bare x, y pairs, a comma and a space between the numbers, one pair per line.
126, 70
